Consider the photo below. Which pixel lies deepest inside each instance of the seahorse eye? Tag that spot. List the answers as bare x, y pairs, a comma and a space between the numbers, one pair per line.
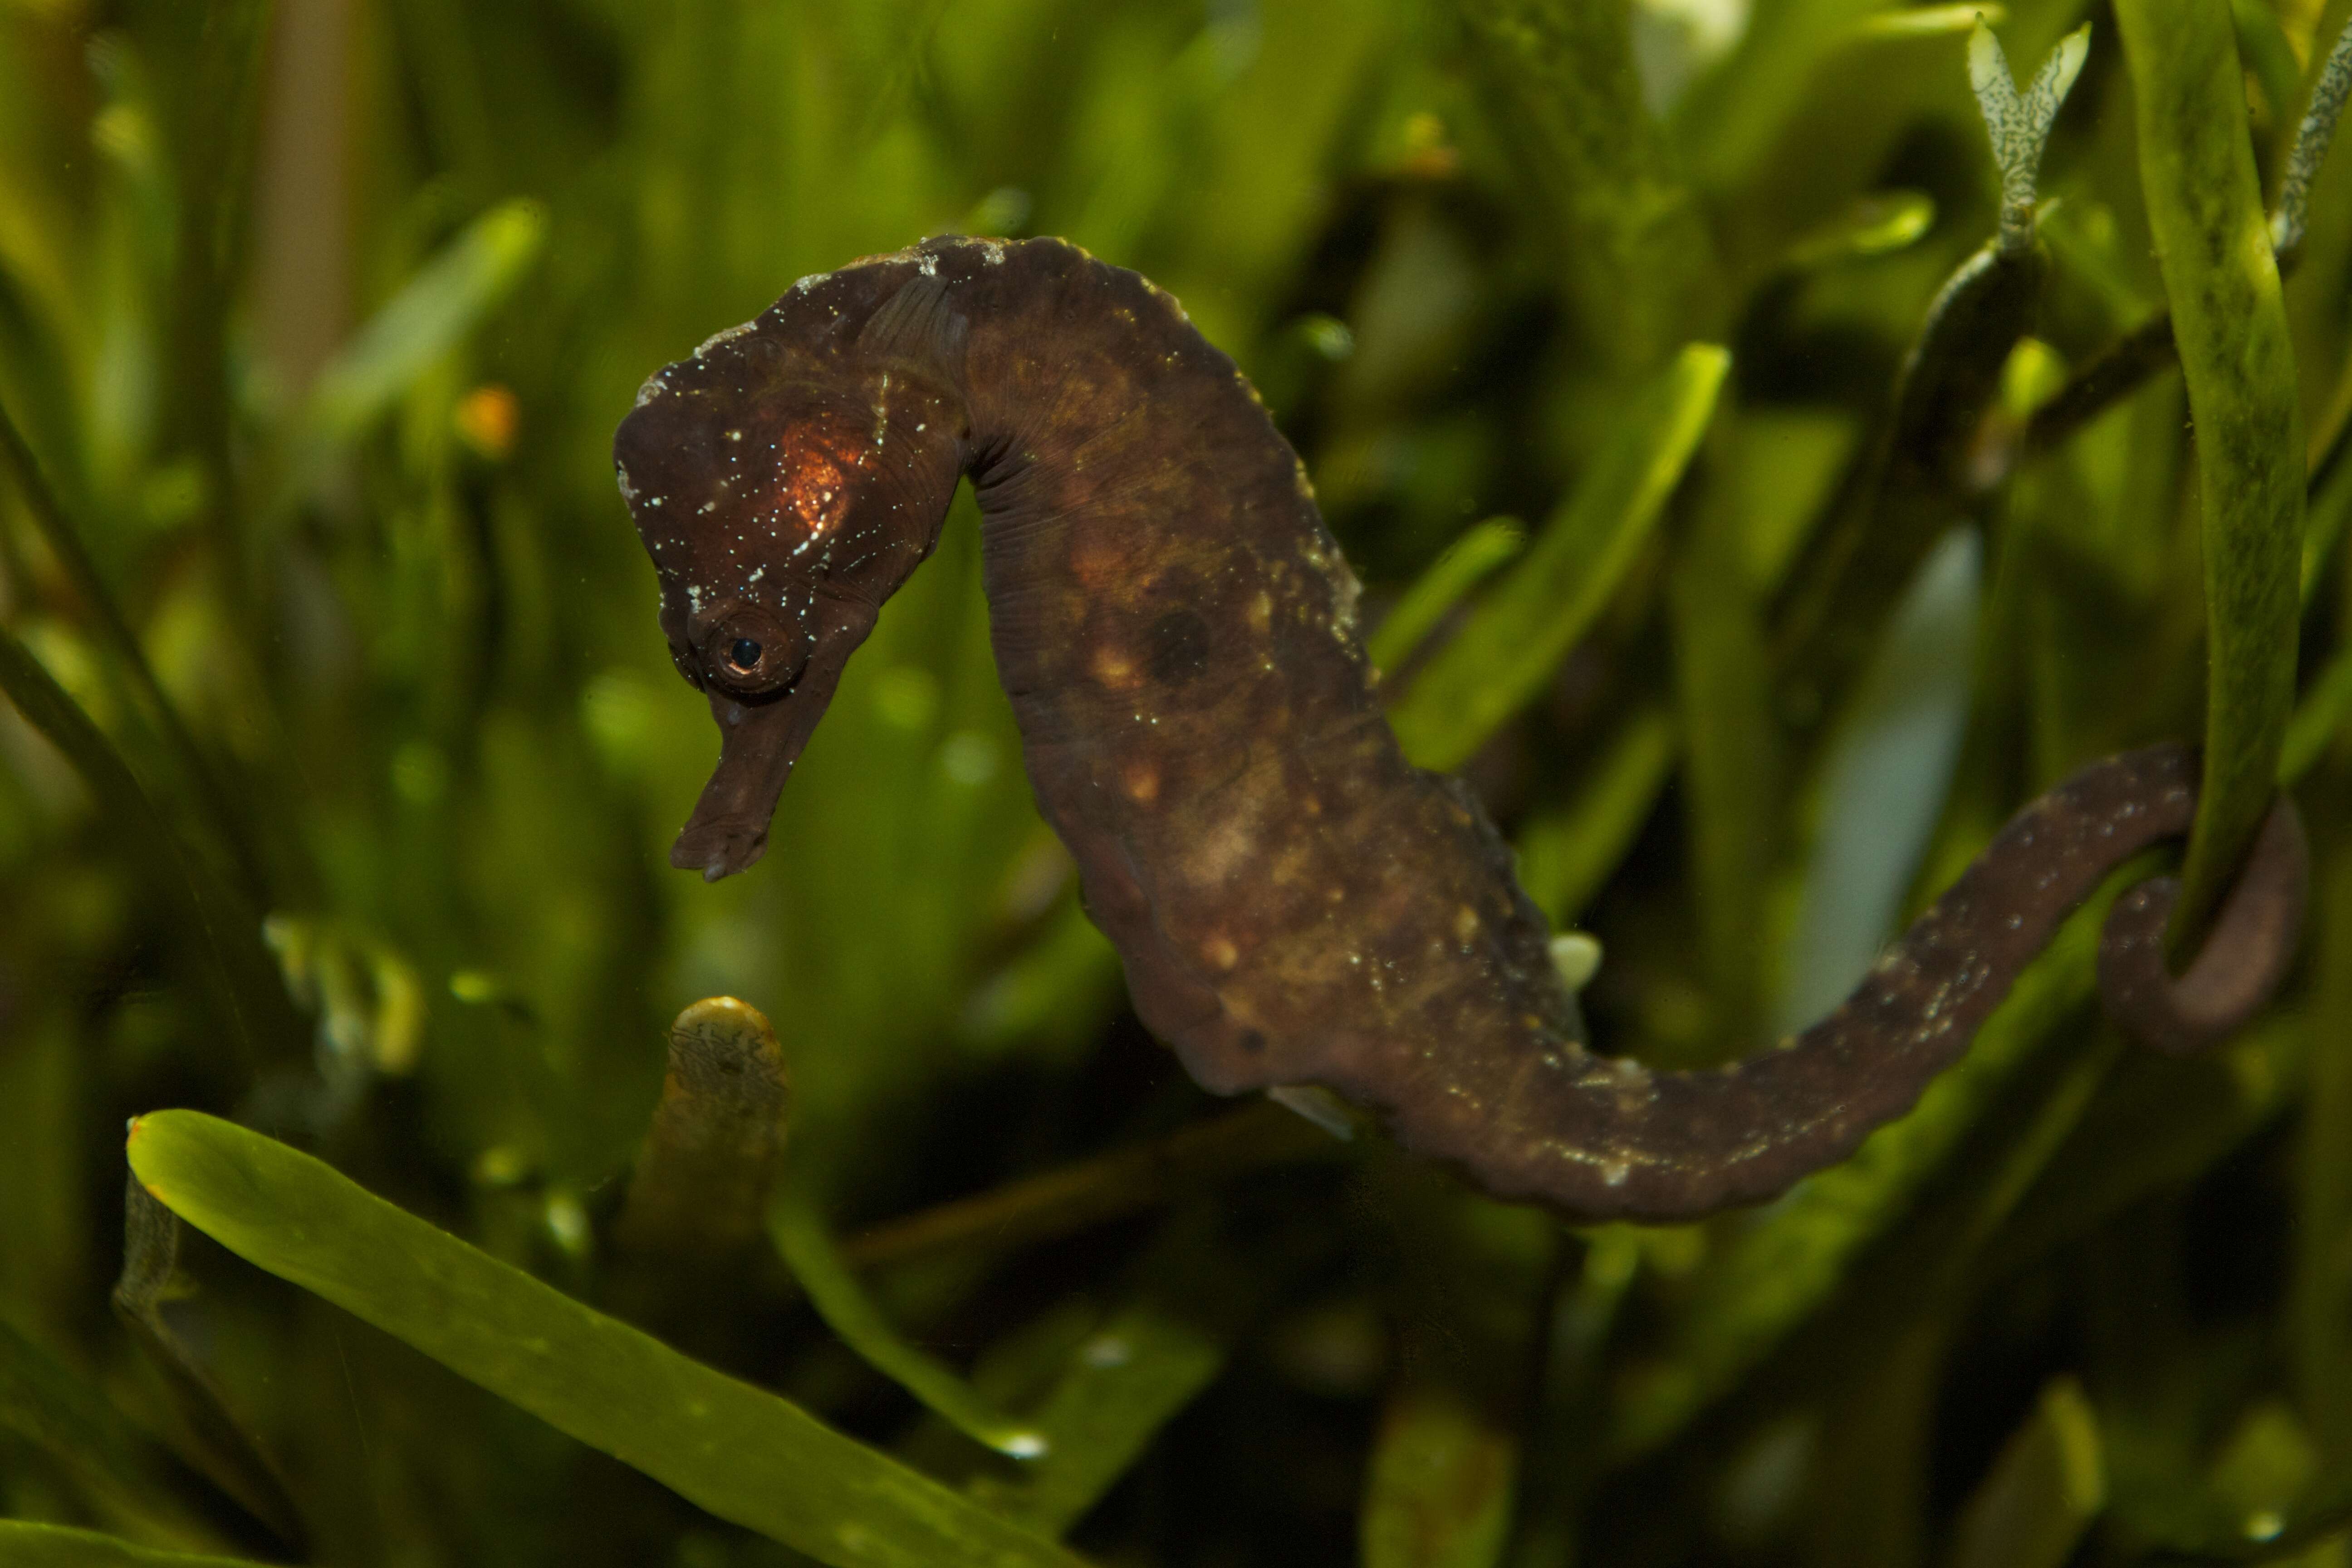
750, 650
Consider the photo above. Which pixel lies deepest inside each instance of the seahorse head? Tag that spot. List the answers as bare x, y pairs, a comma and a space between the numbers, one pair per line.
784, 491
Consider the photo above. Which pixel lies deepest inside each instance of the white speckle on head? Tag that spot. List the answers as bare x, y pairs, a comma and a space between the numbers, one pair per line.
628, 491
734, 435
992, 252
714, 339
656, 502
802, 284
650, 389
928, 266
706, 509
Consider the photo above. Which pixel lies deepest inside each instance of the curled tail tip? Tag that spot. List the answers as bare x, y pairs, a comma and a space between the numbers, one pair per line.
2244, 957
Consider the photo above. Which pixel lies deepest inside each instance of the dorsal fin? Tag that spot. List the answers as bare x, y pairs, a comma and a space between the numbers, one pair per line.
918, 324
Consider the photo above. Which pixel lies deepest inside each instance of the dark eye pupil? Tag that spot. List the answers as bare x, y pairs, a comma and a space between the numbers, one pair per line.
744, 654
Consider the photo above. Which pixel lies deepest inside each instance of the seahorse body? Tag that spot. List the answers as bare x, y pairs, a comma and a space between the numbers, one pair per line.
1293, 903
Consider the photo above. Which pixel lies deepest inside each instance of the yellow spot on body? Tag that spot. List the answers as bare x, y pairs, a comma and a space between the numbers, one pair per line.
1465, 923
1261, 612
1142, 784
1221, 954
1113, 668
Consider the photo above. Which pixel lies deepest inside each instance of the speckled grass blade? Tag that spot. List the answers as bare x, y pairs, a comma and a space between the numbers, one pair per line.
2213, 247
1522, 629
743, 1454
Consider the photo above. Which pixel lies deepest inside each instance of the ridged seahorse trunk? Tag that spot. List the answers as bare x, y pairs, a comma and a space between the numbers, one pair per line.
1293, 903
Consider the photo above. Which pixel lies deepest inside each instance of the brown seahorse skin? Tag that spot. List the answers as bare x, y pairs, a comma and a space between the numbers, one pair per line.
1293, 903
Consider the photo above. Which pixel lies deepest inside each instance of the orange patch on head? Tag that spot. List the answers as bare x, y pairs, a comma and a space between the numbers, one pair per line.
815, 460
815, 485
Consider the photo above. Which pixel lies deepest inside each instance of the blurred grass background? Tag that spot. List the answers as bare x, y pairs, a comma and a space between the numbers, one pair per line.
315, 320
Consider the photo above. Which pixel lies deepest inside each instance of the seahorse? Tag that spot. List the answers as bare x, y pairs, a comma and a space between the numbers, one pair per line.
1293, 903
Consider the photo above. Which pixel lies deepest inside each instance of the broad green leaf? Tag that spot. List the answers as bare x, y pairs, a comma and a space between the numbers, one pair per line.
1530, 620
430, 315
2045, 1490
735, 1450
2214, 247
1467, 561
1439, 1491
25, 1545
807, 1247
